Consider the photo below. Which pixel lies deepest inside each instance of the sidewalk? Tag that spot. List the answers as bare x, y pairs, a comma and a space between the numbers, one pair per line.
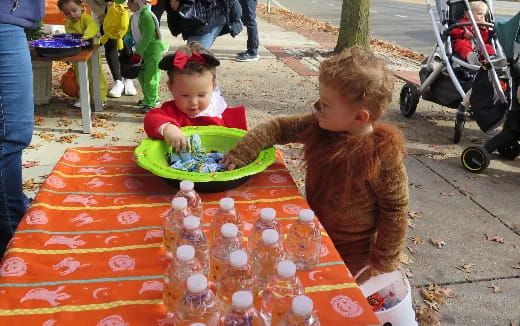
448, 203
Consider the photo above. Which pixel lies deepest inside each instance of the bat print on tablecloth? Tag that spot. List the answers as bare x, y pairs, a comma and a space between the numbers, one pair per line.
69, 265
52, 297
292, 209
36, 216
153, 234
96, 183
83, 219
85, 200
49, 322
13, 266
277, 178
71, 157
55, 182
62, 240
106, 158
246, 195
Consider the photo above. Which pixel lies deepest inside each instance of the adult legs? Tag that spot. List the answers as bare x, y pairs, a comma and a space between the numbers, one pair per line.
249, 20
112, 55
16, 126
159, 9
207, 40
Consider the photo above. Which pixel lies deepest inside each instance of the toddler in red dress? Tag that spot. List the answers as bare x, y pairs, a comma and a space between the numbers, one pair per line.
192, 82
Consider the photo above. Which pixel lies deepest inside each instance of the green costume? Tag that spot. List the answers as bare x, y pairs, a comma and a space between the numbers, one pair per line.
145, 31
88, 27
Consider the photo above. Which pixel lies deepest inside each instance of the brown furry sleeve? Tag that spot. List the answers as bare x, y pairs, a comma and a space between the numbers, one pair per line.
391, 188
279, 131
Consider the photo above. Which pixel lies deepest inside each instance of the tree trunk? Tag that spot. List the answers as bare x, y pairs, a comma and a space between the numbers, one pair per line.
354, 27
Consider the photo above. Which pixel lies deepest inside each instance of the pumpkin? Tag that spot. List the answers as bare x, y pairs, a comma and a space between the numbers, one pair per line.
69, 85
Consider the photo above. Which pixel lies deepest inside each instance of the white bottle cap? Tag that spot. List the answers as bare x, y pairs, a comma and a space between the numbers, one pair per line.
197, 324
197, 283
238, 258
269, 237
306, 215
191, 223
302, 306
286, 269
187, 185
267, 214
242, 299
179, 203
229, 230
185, 253
227, 203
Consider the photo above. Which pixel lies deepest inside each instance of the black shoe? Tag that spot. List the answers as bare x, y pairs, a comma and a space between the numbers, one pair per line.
145, 109
157, 102
246, 56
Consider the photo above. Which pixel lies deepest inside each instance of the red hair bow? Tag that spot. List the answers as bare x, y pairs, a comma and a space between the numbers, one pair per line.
180, 59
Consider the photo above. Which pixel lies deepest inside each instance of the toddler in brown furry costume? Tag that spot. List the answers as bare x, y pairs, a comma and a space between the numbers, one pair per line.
356, 181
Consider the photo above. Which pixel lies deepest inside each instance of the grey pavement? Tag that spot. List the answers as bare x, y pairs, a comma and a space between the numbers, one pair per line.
456, 206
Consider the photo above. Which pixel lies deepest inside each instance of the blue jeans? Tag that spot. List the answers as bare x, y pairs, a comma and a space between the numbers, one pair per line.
16, 126
207, 40
249, 20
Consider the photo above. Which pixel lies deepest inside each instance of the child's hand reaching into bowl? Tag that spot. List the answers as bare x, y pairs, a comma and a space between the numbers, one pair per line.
174, 137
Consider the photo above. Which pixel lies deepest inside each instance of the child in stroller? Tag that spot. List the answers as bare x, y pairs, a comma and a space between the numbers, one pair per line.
447, 79
463, 36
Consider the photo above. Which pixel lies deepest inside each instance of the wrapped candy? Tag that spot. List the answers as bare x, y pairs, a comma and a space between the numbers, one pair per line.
195, 158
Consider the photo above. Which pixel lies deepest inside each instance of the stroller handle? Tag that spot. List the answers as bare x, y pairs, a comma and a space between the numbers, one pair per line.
488, 25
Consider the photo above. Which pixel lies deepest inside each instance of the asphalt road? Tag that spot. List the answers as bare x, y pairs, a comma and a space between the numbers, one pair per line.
403, 22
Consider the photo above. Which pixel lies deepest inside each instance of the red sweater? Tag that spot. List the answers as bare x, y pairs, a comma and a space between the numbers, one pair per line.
458, 32
168, 112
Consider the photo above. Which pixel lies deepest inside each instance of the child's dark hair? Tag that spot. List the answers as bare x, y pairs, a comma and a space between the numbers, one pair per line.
192, 66
361, 77
61, 3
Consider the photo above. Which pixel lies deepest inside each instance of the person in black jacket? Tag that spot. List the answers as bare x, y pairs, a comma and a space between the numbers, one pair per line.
16, 108
204, 20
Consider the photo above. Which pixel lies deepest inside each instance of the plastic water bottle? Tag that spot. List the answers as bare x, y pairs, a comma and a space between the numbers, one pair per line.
304, 241
226, 214
278, 295
265, 257
266, 221
187, 190
243, 312
173, 223
198, 304
197, 324
238, 276
192, 234
301, 313
225, 244
183, 266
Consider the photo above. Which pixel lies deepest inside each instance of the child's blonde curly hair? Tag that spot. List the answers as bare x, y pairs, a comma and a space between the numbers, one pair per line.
361, 77
474, 5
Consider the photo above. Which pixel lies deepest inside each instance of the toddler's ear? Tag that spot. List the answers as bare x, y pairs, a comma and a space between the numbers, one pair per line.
210, 60
363, 116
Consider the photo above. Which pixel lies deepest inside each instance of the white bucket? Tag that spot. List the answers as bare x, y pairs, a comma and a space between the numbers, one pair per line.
402, 314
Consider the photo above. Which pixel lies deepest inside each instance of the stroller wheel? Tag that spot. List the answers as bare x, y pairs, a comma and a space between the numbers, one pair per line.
475, 159
459, 126
510, 151
408, 100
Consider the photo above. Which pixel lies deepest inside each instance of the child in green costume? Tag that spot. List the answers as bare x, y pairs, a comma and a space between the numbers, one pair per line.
145, 34
79, 22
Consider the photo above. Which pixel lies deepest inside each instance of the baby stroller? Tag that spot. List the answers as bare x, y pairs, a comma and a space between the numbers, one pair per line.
446, 78
477, 158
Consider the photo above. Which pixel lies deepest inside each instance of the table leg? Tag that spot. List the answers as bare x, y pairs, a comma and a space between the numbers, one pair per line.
84, 96
94, 59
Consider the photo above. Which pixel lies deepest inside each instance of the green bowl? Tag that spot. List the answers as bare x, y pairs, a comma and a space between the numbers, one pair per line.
151, 155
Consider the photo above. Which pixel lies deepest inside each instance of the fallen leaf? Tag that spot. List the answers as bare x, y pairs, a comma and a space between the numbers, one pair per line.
408, 272
46, 136
33, 146
447, 194
38, 120
412, 250
433, 305
411, 225
466, 268
414, 185
30, 164
98, 135
495, 238
517, 266
437, 243
495, 288
31, 185
66, 138
416, 240
115, 138
414, 215
405, 259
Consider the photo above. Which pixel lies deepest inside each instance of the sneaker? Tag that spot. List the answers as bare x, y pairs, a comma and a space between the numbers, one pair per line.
157, 102
246, 56
117, 89
129, 87
145, 109
239, 54
472, 58
77, 104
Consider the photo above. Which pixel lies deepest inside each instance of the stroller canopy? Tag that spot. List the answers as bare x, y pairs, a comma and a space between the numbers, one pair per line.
508, 34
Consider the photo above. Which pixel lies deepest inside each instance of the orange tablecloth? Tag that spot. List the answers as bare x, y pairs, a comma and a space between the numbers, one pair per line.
89, 252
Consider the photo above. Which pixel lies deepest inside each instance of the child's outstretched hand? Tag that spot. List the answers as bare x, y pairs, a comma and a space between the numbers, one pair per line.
228, 165
174, 137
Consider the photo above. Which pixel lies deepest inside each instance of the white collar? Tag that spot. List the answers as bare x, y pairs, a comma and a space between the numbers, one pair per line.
217, 106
